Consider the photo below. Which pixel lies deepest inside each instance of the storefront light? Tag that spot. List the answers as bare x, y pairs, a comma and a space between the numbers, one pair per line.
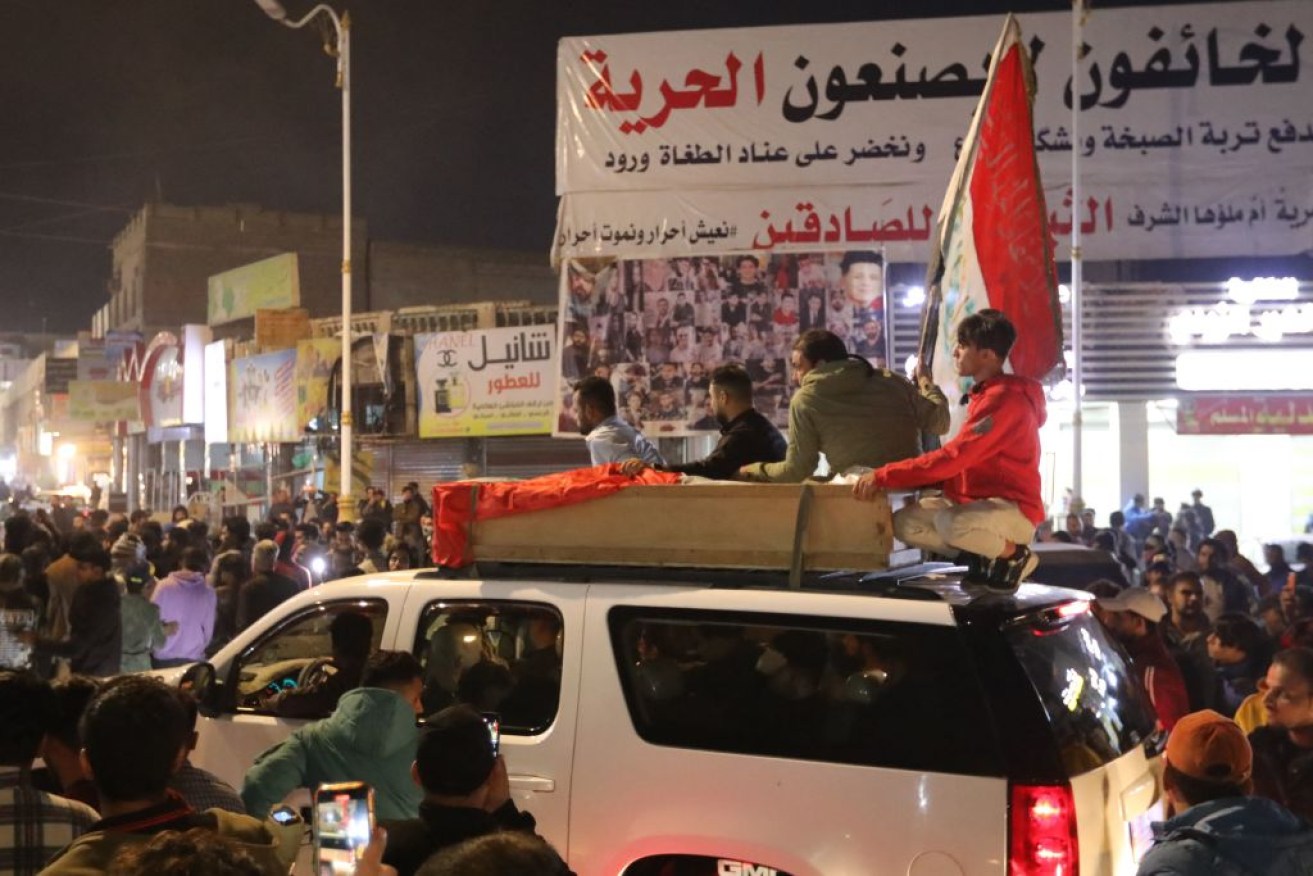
914, 296
1244, 370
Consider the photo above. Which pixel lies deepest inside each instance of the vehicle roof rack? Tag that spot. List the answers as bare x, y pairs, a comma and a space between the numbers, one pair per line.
884, 583
921, 582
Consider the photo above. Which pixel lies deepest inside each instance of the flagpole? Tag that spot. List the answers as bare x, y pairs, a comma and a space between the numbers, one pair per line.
1077, 381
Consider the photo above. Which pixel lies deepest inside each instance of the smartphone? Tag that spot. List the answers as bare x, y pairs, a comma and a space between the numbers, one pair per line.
493, 720
344, 822
285, 816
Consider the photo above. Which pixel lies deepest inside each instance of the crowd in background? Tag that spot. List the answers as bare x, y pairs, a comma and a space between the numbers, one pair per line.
115, 592
1208, 630
89, 597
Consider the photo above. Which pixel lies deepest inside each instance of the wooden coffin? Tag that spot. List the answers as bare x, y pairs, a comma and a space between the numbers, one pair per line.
729, 526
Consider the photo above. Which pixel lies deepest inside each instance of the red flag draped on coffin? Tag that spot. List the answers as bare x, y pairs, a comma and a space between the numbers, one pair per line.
457, 506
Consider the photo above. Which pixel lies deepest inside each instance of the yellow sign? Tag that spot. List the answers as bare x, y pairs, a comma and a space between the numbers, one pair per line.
103, 401
315, 359
272, 284
362, 473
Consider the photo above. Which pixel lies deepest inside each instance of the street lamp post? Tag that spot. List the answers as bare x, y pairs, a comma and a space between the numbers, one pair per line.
342, 26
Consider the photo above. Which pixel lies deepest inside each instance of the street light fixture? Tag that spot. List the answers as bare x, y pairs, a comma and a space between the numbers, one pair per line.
342, 26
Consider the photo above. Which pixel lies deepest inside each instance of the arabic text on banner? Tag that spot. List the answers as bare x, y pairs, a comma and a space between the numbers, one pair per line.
993, 247
1232, 414
1196, 132
657, 328
481, 383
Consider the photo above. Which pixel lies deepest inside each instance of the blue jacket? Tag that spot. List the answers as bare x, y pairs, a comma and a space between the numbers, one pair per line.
371, 737
1237, 836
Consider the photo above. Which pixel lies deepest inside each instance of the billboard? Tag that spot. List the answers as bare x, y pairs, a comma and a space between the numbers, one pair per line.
271, 284
491, 382
264, 399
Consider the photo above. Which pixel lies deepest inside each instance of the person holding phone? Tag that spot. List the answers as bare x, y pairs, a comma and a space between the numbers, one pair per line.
467, 791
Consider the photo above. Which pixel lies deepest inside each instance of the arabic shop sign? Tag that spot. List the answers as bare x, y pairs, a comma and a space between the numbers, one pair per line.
1196, 132
1248, 314
1245, 415
480, 383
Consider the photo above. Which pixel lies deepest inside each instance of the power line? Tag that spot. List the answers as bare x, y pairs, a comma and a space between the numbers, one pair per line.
62, 237
54, 220
59, 202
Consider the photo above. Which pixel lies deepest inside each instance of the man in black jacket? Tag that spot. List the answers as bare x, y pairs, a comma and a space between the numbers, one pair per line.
466, 792
95, 628
266, 590
746, 436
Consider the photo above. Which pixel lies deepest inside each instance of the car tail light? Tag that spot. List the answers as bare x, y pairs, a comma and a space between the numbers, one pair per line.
1042, 831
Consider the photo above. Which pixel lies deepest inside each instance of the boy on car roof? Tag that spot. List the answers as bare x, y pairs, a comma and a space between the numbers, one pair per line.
990, 471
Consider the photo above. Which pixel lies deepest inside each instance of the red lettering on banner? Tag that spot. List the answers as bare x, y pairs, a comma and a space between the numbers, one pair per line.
1245, 415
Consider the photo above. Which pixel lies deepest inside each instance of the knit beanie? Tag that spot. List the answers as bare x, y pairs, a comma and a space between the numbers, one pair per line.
128, 549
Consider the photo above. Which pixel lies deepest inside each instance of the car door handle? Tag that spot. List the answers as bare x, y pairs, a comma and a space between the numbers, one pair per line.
533, 783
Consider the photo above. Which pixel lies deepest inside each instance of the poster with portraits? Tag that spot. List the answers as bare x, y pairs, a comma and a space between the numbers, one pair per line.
658, 328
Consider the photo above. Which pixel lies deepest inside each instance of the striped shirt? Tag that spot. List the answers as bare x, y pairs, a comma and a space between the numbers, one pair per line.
35, 825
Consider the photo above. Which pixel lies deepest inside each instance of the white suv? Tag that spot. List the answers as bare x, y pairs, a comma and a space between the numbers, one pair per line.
678, 721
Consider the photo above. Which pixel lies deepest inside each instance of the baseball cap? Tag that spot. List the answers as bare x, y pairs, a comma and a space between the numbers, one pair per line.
1211, 748
136, 576
1138, 600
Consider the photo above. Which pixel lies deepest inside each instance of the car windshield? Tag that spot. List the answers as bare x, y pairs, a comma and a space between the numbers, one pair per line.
1095, 705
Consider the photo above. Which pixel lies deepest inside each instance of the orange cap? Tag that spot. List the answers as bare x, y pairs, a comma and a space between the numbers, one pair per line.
1210, 747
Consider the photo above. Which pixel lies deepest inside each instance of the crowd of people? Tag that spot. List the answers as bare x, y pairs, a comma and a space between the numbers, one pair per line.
117, 793
1225, 653
1223, 650
114, 593
103, 595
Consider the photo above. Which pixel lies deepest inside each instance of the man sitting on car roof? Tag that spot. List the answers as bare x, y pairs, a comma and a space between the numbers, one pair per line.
990, 470
746, 436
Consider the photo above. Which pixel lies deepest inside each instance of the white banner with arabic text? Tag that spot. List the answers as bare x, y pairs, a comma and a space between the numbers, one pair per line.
1196, 127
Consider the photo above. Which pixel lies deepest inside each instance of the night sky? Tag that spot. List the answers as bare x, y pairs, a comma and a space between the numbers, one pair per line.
108, 103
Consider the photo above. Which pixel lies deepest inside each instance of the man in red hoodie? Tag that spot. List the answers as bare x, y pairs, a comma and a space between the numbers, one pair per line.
989, 472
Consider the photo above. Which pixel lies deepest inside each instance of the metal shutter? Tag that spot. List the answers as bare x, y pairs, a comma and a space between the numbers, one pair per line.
533, 455
426, 462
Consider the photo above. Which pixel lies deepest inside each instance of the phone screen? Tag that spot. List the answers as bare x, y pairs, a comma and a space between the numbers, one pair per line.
344, 821
493, 720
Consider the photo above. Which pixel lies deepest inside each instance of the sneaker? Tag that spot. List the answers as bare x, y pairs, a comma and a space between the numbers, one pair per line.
1006, 575
978, 567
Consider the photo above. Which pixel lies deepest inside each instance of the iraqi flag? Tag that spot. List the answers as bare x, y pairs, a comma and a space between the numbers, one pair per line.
993, 247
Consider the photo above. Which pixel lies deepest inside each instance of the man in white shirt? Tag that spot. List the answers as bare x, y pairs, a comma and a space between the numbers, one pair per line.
610, 439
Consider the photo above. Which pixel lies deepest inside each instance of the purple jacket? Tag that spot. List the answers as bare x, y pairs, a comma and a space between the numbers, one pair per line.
186, 598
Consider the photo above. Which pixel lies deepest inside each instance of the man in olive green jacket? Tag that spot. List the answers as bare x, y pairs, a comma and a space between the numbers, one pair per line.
851, 412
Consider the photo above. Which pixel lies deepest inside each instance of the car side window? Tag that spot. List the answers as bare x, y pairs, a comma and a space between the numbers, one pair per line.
281, 658
502, 657
895, 695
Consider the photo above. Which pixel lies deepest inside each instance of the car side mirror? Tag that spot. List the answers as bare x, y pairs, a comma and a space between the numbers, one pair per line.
199, 681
